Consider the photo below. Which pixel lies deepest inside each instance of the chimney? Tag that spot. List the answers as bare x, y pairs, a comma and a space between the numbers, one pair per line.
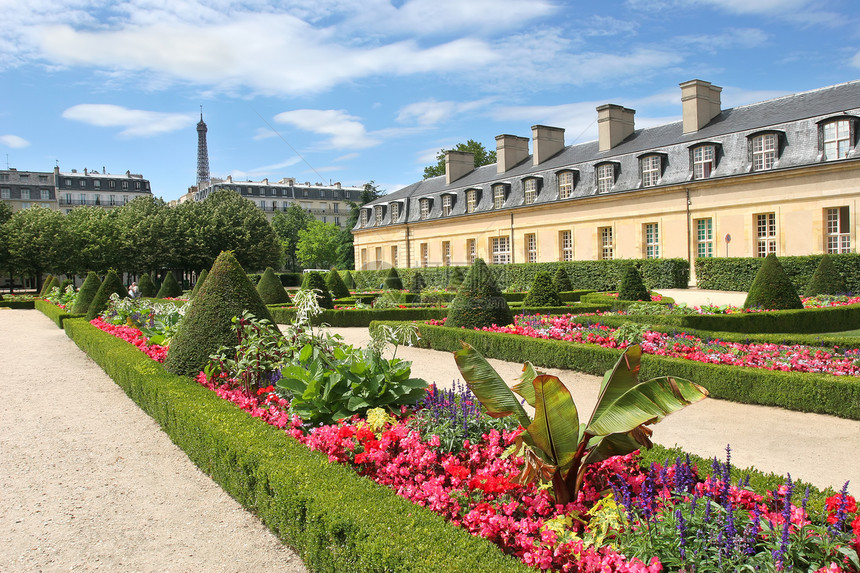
265, 181
700, 102
511, 150
85, 170
548, 141
458, 164
614, 124
229, 179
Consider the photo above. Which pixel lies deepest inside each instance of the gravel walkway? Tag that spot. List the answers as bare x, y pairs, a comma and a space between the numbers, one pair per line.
91, 483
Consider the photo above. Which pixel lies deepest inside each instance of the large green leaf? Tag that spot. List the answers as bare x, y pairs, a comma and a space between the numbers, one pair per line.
525, 388
487, 386
555, 428
623, 376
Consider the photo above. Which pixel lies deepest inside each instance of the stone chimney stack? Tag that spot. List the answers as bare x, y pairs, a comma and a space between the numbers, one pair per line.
614, 124
547, 141
511, 150
700, 102
458, 164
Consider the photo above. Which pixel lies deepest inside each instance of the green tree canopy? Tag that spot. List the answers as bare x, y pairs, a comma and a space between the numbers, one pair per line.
233, 223
287, 225
32, 241
482, 157
318, 245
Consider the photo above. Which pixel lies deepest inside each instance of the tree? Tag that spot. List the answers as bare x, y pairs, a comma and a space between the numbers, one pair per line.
91, 241
318, 245
32, 240
482, 157
142, 231
287, 225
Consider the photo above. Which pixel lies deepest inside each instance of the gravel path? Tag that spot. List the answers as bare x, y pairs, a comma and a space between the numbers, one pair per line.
88, 482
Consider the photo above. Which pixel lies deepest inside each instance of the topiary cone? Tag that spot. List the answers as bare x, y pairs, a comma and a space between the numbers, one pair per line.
315, 280
826, 280
336, 285
270, 288
456, 279
479, 302
170, 287
111, 284
45, 290
771, 288
562, 281
207, 326
200, 278
348, 280
542, 291
87, 293
631, 286
146, 287
392, 280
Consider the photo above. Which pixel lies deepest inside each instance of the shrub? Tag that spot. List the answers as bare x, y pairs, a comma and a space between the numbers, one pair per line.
109, 286
200, 278
826, 280
146, 286
66, 283
771, 288
46, 286
562, 281
315, 280
270, 288
169, 287
479, 302
87, 293
392, 280
207, 325
738, 273
335, 285
348, 280
543, 291
631, 286
456, 279
418, 284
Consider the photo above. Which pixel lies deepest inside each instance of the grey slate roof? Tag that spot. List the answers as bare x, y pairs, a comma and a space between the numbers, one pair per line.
795, 117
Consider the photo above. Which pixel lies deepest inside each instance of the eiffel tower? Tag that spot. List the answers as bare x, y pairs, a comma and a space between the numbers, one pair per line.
202, 152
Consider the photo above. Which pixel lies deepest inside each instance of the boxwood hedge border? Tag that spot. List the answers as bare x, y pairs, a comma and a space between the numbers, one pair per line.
54, 312
18, 304
336, 520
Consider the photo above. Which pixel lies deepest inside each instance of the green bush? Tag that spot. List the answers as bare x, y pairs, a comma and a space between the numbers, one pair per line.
771, 288
66, 283
169, 287
738, 273
826, 279
479, 302
109, 286
315, 280
54, 312
562, 281
147, 287
46, 286
87, 293
392, 280
417, 284
335, 519
631, 286
208, 325
200, 278
543, 291
18, 304
456, 279
360, 317
335, 285
270, 288
348, 280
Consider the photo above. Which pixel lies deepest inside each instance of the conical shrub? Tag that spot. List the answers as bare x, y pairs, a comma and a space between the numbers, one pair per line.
270, 288
456, 279
826, 280
348, 280
87, 293
631, 286
392, 280
315, 280
542, 291
200, 278
170, 287
479, 302
771, 288
207, 325
50, 284
335, 284
146, 287
562, 280
46, 286
111, 284
418, 283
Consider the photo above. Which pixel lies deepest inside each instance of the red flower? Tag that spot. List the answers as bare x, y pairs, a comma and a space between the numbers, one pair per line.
458, 471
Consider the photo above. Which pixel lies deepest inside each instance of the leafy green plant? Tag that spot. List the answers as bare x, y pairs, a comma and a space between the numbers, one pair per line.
66, 297
629, 332
556, 446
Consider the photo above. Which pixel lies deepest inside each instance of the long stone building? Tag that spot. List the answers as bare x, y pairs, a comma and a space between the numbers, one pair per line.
780, 176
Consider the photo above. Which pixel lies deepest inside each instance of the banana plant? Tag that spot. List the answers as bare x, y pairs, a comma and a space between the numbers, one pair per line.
556, 446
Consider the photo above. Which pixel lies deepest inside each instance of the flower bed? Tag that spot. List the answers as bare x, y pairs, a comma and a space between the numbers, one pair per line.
133, 336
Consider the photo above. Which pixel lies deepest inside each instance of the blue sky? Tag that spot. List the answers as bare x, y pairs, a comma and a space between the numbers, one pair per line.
371, 90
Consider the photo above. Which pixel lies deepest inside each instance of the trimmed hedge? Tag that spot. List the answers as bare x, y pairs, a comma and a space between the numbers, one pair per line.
18, 304
360, 317
146, 287
820, 393
54, 312
543, 291
335, 519
735, 273
618, 304
287, 279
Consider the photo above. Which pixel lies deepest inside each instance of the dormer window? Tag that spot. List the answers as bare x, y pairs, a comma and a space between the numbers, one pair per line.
395, 212
605, 175
378, 213
704, 161
499, 195
364, 217
836, 137
650, 168
764, 151
471, 200
565, 184
424, 204
447, 205
530, 190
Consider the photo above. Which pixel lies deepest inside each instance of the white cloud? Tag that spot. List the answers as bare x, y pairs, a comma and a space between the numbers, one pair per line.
263, 133
13, 141
431, 112
855, 61
732, 38
344, 131
135, 122
347, 157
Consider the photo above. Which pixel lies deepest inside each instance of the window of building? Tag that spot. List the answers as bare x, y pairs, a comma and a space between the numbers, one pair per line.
395, 212
24, 175
68, 182
98, 199
377, 215
652, 240
838, 230
837, 139
335, 207
765, 234
5, 193
97, 184
125, 199
447, 205
25, 193
500, 247
764, 151
364, 217
607, 245
45, 193
703, 161
137, 185
378, 258
498, 196
530, 188
336, 219
446, 253
471, 200
43, 178
472, 250
25, 205
565, 184
112, 200
394, 261
83, 198
363, 257
650, 166
263, 204
531, 248
565, 246
4, 177
82, 183
425, 208
46, 205
304, 192
112, 184
425, 254
125, 184
704, 238
605, 177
